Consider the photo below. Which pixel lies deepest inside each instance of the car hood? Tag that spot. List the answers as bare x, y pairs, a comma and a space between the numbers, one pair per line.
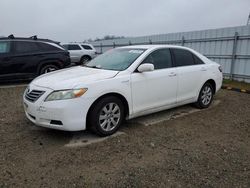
72, 77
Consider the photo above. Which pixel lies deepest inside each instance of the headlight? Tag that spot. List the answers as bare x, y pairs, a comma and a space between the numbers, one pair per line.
66, 94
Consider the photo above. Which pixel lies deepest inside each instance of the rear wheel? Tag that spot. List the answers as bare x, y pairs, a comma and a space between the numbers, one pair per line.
84, 60
48, 68
106, 116
205, 96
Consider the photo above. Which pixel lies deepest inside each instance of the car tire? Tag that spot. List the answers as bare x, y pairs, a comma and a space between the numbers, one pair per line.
205, 96
106, 116
84, 60
48, 68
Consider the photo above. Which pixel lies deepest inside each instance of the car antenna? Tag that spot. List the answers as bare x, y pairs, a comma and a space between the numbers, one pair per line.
11, 36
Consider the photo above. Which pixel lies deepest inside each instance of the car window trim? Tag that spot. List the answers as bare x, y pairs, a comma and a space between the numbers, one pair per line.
172, 63
197, 58
74, 45
27, 52
90, 48
172, 51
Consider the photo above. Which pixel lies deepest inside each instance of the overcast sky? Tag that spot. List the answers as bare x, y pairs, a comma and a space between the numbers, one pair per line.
76, 20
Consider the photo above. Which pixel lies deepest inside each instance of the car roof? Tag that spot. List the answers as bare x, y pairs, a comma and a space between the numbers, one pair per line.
77, 43
153, 46
28, 39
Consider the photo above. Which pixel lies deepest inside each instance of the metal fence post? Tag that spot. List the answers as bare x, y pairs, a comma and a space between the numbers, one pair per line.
182, 40
101, 47
236, 37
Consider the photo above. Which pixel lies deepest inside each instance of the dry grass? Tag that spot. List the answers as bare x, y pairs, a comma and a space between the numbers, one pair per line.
236, 84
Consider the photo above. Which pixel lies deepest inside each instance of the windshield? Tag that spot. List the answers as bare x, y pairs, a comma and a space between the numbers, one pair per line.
116, 59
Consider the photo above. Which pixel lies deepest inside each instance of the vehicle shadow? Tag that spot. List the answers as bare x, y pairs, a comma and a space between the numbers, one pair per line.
13, 83
85, 138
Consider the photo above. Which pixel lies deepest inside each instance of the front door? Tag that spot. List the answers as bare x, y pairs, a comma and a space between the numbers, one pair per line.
75, 52
155, 89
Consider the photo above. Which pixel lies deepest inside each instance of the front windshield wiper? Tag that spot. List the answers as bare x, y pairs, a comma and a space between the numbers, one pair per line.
97, 67
94, 66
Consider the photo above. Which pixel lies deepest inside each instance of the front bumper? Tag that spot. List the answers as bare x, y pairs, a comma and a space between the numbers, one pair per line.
67, 115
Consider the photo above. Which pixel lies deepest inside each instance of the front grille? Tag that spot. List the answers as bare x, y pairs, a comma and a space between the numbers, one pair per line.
33, 95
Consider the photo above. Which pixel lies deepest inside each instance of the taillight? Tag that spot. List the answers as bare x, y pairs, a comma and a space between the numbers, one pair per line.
220, 68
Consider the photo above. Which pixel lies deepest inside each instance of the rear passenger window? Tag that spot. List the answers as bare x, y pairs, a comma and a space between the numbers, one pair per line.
197, 60
65, 46
183, 57
4, 47
86, 47
26, 47
47, 47
160, 59
74, 47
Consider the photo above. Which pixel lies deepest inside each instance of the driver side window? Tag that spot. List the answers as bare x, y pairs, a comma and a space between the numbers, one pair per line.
161, 59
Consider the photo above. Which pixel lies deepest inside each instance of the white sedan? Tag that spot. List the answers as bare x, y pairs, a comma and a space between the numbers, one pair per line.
120, 84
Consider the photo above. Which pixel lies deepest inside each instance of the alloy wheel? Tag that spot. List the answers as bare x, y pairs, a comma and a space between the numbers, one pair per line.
109, 117
49, 69
206, 95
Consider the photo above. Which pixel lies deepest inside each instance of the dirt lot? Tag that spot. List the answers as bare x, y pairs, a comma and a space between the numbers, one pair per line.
210, 148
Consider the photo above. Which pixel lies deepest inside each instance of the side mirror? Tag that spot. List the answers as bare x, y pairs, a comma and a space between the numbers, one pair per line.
146, 67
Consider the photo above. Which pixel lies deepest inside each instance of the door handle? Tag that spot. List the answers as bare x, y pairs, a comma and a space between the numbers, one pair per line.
172, 74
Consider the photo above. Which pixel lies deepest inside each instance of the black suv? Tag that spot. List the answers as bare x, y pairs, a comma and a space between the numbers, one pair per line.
25, 58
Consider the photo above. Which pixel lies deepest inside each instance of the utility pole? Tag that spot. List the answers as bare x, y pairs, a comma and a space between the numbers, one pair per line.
248, 21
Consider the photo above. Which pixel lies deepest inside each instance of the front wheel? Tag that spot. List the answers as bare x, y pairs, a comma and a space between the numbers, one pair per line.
205, 96
48, 68
106, 116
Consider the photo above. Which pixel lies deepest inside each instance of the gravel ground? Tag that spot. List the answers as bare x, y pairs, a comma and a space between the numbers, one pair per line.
209, 148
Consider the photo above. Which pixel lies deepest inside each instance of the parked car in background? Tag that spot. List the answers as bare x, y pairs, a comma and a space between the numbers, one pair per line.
80, 53
26, 58
122, 83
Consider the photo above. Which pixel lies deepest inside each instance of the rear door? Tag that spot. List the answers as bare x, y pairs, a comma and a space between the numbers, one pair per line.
75, 52
25, 59
190, 72
89, 50
155, 89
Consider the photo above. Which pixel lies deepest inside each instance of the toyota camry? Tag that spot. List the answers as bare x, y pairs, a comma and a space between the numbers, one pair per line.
121, 84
